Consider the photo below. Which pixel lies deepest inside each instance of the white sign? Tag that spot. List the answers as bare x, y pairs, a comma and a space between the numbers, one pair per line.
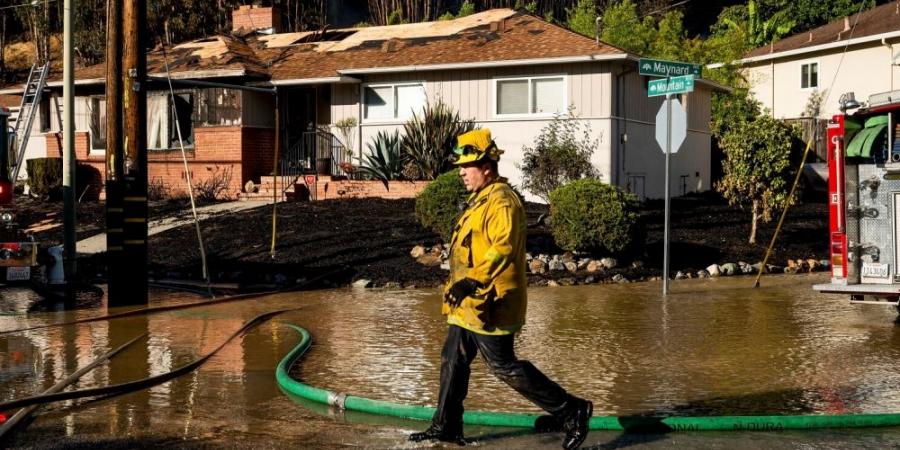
679, 125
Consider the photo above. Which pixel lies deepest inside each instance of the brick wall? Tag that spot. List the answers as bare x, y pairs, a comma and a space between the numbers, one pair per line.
326, 189
252, 17
228, 154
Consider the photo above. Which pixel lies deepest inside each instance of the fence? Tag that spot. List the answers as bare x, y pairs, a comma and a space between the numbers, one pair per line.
815, 128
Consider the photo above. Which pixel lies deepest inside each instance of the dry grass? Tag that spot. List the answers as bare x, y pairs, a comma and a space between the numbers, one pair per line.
20, 55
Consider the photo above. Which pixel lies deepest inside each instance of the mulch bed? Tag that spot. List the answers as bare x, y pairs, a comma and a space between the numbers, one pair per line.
345, 240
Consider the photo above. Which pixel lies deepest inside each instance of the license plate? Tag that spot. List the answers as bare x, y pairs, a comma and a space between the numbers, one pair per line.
18, 273
875, 270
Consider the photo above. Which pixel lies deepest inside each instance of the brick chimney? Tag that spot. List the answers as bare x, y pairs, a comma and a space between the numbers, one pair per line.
256, 18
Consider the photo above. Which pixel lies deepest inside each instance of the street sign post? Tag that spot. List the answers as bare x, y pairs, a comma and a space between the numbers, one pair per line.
671, 129
661, 68
673, 85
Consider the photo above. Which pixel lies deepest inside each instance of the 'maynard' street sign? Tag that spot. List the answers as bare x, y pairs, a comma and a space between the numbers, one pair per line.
674, 85
660, 68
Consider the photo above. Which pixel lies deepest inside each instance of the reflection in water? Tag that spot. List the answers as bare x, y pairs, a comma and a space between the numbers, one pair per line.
712, 347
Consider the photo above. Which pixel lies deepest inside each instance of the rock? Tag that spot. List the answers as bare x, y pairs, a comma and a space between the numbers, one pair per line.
773, 268
813, 265
791, 264
567, 257
436, 250
583, 263
250, 187
745, 268
702, 274
566, 281
713, 270
792, 269
590, 280
392, 285
618, 278
417, 251
429, 260
445, 265
756, 267
528, 257
680, 275
729, 269
637, 264
537, 266
594, 266
571, 266
556, 265
552, 283
609, 263
362, 283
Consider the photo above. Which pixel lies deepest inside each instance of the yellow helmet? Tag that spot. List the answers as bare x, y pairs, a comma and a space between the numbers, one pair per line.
474, 146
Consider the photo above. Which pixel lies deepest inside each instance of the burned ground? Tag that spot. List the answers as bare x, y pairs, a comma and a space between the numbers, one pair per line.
345, 240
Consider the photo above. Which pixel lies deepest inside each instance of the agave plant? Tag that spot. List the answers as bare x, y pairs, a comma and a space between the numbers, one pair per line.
428, 138
384, 161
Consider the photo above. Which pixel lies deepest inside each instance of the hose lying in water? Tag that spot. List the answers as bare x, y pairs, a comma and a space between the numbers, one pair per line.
24, 413
156, 309
627, 423
144, 383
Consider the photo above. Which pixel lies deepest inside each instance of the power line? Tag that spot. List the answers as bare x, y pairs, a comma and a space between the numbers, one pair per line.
34, 3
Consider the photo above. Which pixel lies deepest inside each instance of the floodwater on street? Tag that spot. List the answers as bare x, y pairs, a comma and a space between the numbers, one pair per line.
712, 347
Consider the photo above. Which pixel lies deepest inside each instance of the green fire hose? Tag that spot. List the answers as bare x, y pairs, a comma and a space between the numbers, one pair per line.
626, 423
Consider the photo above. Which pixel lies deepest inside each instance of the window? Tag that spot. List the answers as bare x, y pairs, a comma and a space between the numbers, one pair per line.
535, 95
809, 76
97, 106
393, 101
162, 133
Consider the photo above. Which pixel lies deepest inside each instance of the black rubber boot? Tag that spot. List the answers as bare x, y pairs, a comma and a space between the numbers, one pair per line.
576, 424
548, 424
438, 434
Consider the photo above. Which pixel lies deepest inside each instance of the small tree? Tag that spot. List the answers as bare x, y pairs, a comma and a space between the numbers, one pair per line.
558, 156
582, 17
428, 138
758, 167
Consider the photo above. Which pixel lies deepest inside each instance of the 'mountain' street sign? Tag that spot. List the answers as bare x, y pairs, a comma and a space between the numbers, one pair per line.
674, 85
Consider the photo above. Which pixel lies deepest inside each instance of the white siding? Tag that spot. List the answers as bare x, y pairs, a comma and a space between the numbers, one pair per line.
865, 70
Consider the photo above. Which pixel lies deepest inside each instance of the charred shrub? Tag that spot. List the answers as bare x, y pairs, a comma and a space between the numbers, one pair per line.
45, 177
438, 204
593, 216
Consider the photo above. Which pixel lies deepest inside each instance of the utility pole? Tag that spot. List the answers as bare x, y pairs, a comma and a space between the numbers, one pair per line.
114, 156
131, 287
69, 161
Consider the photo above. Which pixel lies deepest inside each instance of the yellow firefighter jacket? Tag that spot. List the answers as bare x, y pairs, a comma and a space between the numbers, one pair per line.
488, 246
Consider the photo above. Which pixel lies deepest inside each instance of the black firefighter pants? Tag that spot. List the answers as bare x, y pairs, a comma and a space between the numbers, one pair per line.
459, 351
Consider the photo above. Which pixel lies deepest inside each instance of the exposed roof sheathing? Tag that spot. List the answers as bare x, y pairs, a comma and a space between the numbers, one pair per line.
878, 20
489, 36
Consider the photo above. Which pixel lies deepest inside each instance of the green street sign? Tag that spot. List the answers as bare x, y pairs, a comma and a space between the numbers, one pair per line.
674, 85
660, 68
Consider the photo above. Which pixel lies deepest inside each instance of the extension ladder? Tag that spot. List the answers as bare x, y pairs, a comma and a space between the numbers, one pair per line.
31, 101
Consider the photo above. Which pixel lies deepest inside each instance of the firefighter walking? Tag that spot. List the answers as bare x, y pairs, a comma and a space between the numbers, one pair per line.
485, 300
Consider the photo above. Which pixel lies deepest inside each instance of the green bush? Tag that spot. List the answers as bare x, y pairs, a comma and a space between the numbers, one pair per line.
591, 215
45, 177
561, 154
438, 204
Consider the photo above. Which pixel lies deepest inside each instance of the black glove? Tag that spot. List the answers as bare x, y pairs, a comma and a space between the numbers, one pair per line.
460, 290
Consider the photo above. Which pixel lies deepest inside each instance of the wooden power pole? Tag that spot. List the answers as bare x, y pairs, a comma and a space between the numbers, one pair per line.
127, 153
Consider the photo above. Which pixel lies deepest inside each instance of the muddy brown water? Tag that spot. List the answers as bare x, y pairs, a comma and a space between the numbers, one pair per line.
713, 347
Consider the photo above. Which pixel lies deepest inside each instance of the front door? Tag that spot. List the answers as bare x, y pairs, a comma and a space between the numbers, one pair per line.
298, 116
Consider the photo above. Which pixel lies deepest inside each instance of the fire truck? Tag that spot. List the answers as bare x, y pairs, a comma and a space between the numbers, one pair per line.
18, 252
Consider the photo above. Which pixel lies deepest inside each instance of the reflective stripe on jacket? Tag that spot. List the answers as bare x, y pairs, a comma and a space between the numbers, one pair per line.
488, 246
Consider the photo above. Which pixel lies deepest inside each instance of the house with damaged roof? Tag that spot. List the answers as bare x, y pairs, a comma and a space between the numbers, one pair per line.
507, 70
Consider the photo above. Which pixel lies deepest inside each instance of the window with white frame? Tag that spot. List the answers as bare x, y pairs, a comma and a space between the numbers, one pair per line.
531, 95
393, 101
97, 107
809, 75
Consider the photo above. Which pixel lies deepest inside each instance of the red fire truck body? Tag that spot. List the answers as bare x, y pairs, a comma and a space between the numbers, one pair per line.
864, 200
18, 254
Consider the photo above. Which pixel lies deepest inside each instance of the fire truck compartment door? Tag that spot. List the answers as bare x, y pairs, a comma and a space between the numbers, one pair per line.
862, 143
